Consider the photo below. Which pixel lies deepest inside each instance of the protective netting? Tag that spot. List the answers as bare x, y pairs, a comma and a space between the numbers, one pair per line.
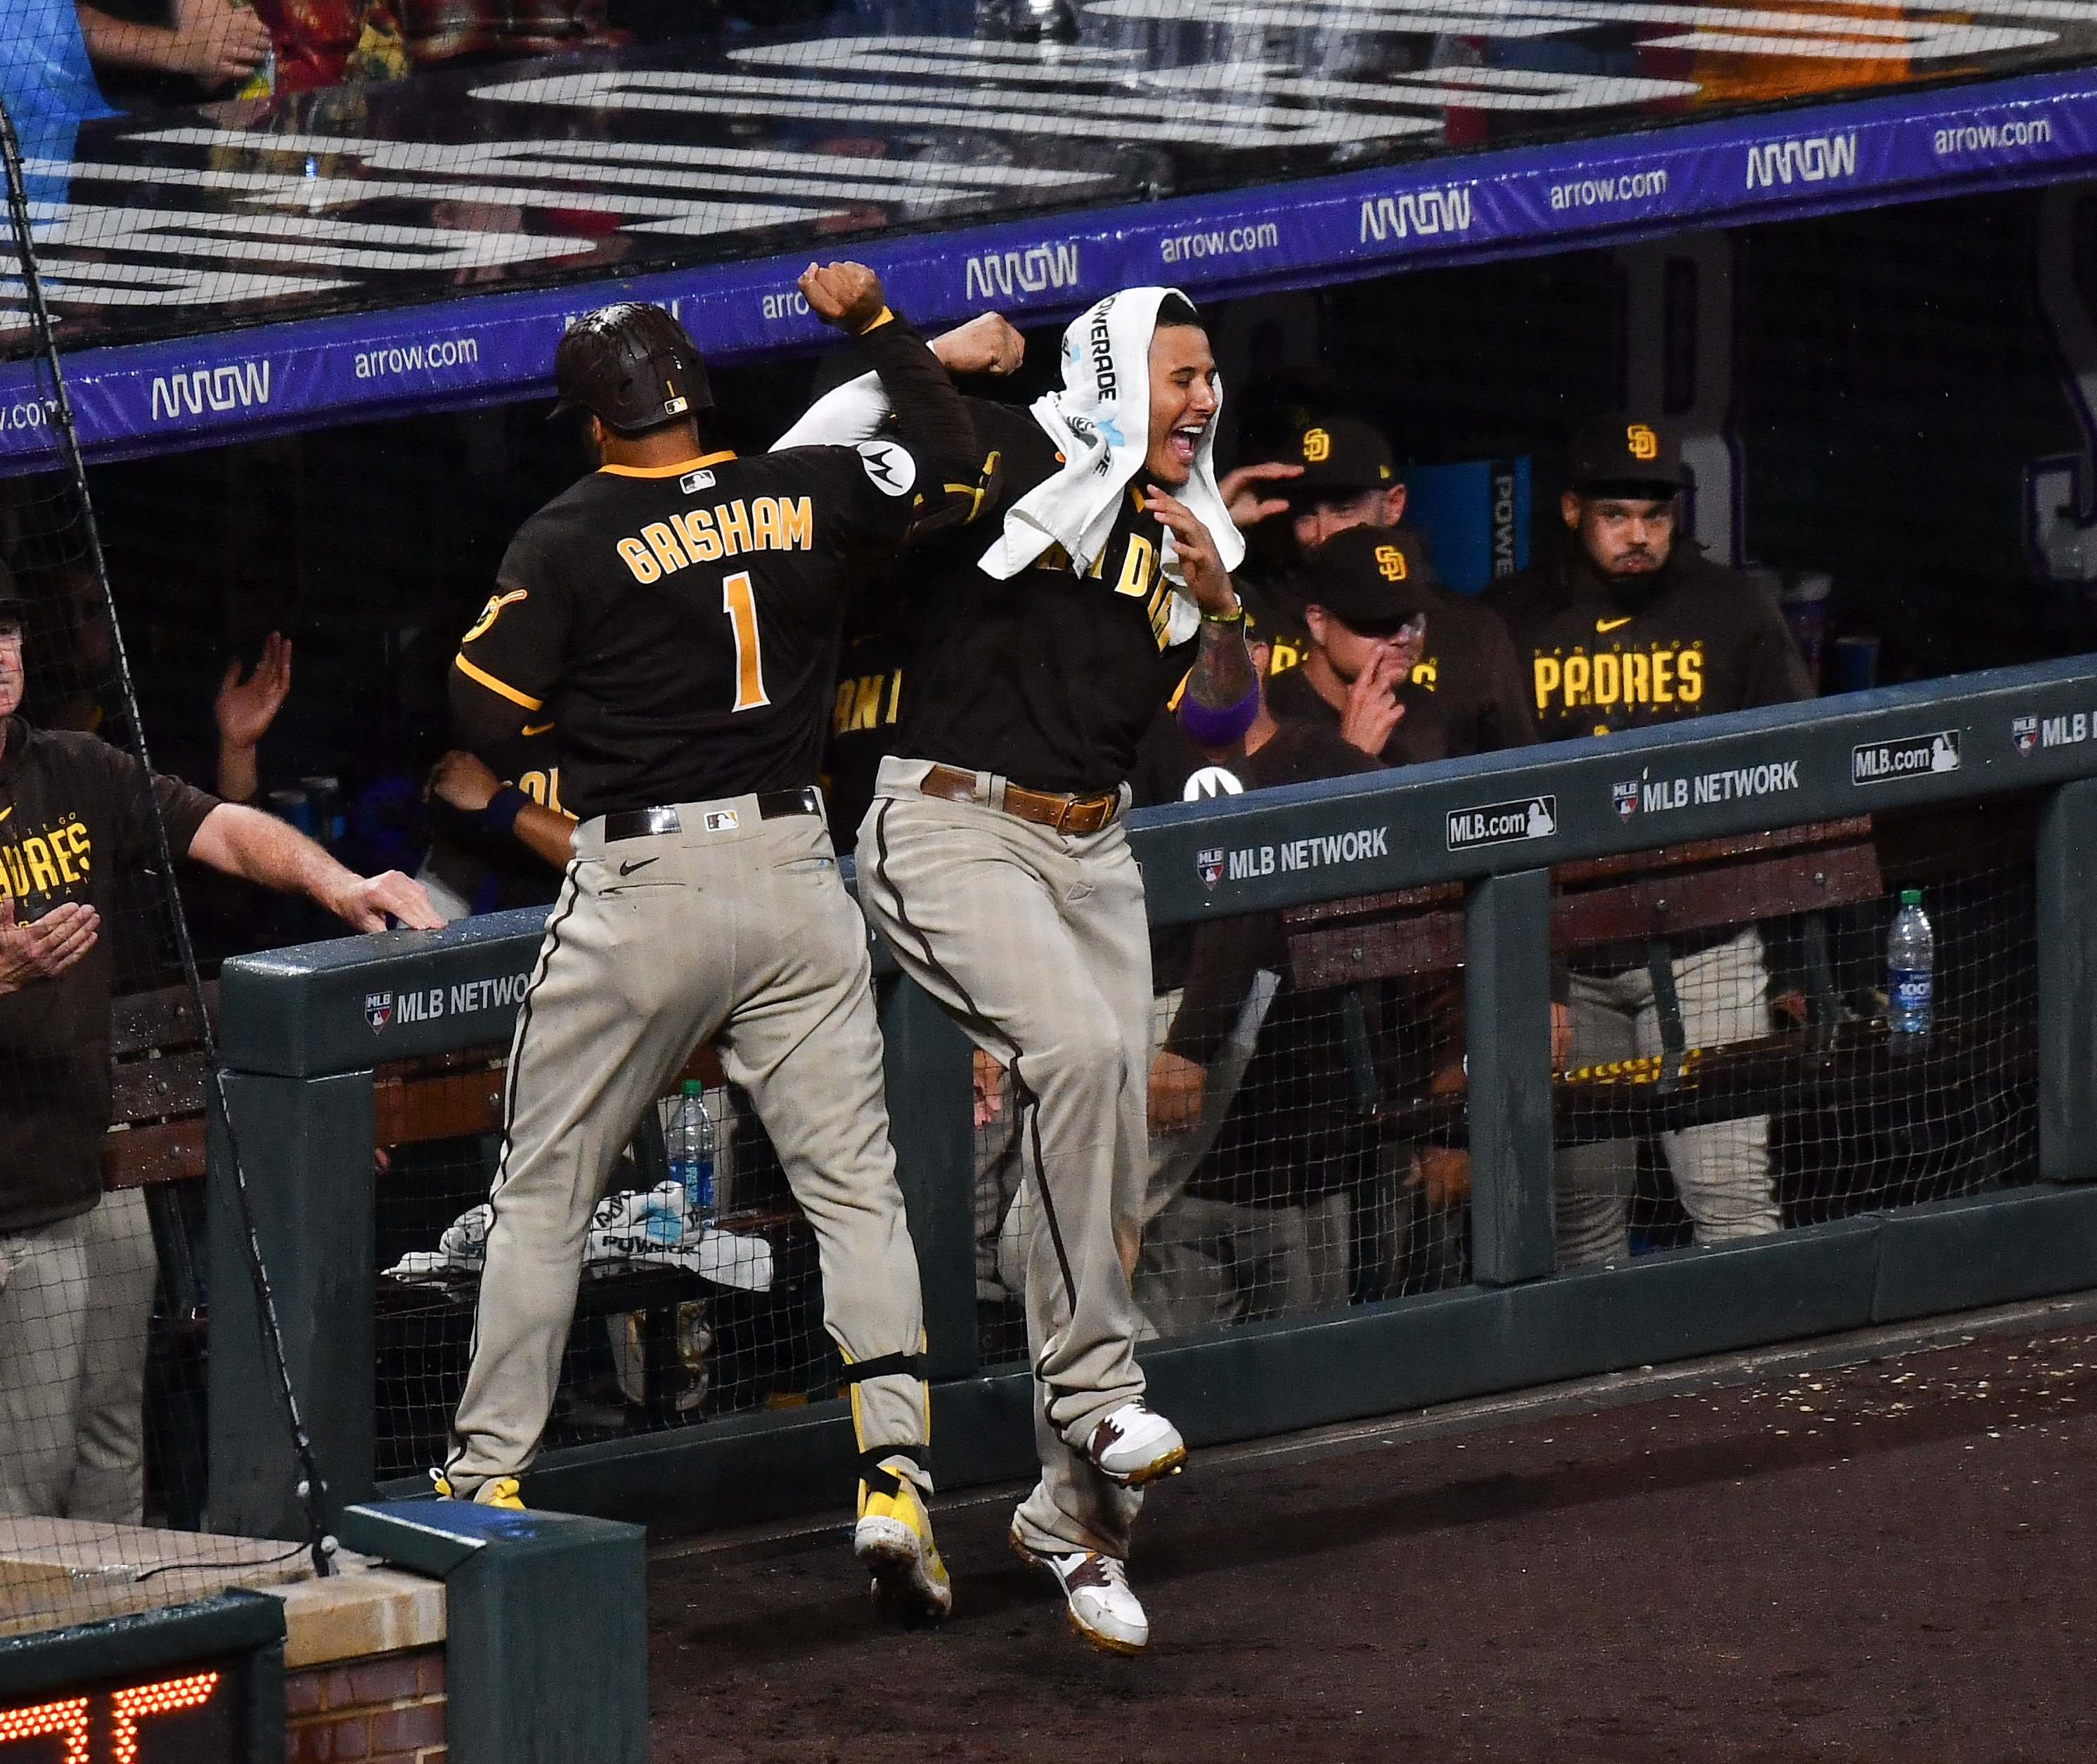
1758, 1088
672, 1327
105, 1064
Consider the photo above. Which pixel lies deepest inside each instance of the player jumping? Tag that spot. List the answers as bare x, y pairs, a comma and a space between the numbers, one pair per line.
993, 859
676, 615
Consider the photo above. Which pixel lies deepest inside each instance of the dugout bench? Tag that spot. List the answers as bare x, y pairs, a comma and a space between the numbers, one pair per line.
1831, 1056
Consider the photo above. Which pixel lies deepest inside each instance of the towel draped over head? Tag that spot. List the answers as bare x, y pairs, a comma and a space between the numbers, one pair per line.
1100, 423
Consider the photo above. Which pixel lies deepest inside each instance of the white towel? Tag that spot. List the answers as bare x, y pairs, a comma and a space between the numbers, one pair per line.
1101, 424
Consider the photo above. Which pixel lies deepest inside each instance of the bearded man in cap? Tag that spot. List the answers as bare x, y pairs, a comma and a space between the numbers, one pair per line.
1628, 626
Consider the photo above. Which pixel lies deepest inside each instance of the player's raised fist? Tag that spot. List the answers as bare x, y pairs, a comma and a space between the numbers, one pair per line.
987, 344
846, 294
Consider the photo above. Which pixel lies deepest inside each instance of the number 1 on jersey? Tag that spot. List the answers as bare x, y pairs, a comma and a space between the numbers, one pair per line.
742, 610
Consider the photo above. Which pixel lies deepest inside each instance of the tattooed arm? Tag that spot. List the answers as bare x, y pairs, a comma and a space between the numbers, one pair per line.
1223, 679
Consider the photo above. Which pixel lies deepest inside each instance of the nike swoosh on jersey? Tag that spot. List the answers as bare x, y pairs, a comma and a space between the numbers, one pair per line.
633, 863
1611, 625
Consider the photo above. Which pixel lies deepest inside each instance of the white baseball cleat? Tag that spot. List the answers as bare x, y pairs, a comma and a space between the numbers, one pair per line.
1102, 1607
1135, 1445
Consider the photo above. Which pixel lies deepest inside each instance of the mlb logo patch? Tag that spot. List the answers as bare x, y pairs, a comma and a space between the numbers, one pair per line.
1209, 866
721, 820
1626, 799
378, 1010
696, 480
2024, 731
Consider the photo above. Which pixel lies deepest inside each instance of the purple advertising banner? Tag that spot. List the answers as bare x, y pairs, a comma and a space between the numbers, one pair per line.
498, 347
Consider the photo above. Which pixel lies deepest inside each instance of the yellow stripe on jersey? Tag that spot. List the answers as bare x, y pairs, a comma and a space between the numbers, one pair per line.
487, 680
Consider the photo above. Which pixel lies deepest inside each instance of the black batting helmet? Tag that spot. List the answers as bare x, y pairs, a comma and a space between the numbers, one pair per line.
632, 365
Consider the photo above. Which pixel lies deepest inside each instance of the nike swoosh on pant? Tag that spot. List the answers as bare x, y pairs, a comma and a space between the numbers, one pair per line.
633, 863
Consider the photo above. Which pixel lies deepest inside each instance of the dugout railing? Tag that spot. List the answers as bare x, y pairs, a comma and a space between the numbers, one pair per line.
332, 1048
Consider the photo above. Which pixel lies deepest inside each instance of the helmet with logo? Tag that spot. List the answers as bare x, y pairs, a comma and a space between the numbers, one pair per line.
632, 366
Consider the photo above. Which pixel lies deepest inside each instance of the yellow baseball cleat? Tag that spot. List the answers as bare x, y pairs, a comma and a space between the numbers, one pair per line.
893, 1539
496, 1491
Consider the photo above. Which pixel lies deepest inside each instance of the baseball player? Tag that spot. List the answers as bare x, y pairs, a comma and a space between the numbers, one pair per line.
676, 613
994, 861
1629, 626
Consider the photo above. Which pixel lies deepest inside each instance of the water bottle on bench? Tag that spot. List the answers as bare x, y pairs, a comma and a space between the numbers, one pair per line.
1910, 962
690, 1145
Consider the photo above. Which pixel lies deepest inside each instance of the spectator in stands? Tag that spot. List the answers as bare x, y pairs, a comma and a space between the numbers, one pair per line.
1627, 627
172, 51
78, 820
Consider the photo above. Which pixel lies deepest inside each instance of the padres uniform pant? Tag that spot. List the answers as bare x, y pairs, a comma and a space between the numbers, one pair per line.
1037, 944
1721, 1170
742, 935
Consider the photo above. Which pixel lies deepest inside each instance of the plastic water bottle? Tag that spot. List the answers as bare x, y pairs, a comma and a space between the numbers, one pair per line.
690, 1144
1910, 962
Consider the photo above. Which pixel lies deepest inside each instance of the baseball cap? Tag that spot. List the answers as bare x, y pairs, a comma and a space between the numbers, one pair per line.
632, 366
1369, 578
1631, 451
14, 604
1340, 453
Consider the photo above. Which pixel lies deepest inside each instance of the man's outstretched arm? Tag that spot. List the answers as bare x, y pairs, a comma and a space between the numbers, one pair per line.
259, 848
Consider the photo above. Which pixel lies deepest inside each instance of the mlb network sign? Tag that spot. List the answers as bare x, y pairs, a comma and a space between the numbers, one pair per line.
195, 390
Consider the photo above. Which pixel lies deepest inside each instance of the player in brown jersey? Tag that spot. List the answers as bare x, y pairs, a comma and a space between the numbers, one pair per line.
676, 615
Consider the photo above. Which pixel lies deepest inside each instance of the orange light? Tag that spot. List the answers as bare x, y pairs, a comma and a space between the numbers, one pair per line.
129, 1708
69, 1718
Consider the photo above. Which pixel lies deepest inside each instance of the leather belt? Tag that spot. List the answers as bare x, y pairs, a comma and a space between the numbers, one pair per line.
644, 823
1076, 815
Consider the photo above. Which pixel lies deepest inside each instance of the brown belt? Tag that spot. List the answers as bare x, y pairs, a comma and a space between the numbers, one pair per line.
1076, 815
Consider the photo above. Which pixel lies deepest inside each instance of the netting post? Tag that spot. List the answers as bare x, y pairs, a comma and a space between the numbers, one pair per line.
1506, 1015
930, 1115
2068, 985
307, 1142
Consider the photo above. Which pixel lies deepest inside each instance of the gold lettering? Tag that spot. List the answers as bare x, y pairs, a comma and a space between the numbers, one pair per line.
43, 873
554, 790
1576, 679
1136, 567
1637, 678
765, 520
866, 710
83, 846
645, 569
841, 712
533, 785
1425, 672
663, 543
894, 685
1546, 668
18, 875
1663, 687
1608, 681
797, 524
733, 520
696, 528
1689, 667
62, 850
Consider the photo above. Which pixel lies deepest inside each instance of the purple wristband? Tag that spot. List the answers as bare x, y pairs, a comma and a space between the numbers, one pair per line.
1218, 729
503, 808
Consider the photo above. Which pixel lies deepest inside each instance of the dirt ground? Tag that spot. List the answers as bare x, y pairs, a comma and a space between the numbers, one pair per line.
1892, 1560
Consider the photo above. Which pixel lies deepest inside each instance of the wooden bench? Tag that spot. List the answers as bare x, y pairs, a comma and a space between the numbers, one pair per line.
1641, 899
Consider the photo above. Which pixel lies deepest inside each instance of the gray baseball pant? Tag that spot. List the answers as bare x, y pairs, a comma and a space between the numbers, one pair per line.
1037, 944
1722, 1169
742, 936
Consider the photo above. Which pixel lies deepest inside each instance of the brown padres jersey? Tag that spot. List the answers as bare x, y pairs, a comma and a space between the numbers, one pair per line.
1691, 640
679, 625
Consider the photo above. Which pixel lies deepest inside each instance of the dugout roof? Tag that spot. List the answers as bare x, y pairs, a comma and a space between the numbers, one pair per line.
254, 267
